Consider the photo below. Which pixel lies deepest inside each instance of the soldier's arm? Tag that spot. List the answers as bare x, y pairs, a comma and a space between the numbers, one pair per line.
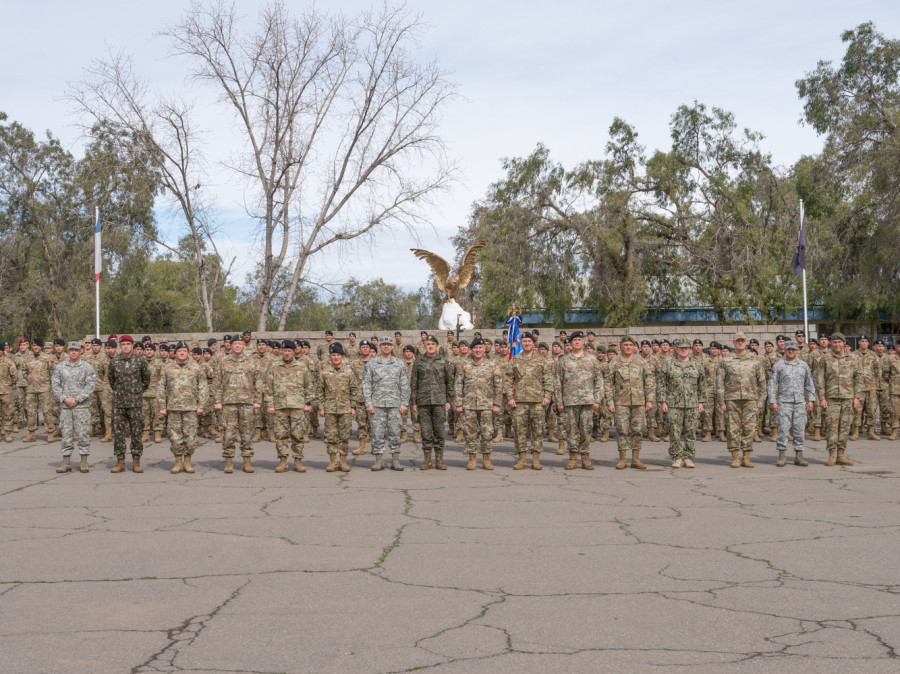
354, 388
547, 380
557, 384
720, 384
111, 375
90, 382
772, 387
598, 383
320, 392
649, 384
662, 379
701, 385
498, 387
309, 392
404, 386
414, 380
161, 389
367, 386
457, 394
145, 374
448, 381
56, 384
760, 383
202, 390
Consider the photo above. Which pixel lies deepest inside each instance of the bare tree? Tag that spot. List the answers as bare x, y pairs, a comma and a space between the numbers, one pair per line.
113, 94
339, 123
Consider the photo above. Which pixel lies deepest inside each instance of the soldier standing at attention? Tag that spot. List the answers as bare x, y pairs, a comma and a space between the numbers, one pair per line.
740, 393
337, 390
890, 373
363, 423
681, 392
477, 399
430, 391
409, 359
182, 394
869, 374
288, 394
8, 378
237, 391
397, 350
528, 386
790, 387
323, 351
152, 419
38, 368
128, 376
351, 351
385, 388
632, 393
579, 390
420, 347
73, 383
838, 384
885, 406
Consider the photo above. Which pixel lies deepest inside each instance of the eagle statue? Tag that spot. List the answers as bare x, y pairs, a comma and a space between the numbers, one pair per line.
451, 285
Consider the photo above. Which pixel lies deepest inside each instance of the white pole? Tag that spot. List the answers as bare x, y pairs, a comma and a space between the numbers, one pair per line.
805, 306
97, 286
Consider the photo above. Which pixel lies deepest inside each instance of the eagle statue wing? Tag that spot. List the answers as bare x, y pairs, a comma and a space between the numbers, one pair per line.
467, 268
438, 265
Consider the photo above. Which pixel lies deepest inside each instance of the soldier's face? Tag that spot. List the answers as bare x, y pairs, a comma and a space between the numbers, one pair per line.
527, 345
36, 349
790, 354
455, 350
542, 351
682, 352
260, 348
386, 350
237, 348
207, 356
464, 351
305, 350
654, 348
627, 348
74, 355
181, 355
864, 345
246, 339
879, 349
149, 354
838, 346
287, 355
769, 348
227, 346
328, 338
697, 349
95, 348
478, 351
398, 339
823, 344
740, 344
352, 339
127, 348
336, 359
430, 348
163, 354
664, 348
213, 348
111, 351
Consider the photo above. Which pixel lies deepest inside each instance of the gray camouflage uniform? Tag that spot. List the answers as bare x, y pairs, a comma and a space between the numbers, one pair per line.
74, 380
787, 384
385, 387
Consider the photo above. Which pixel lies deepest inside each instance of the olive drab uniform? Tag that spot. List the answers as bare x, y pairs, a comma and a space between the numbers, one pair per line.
312, 419
182, 390
128, 378
837, 385
237, 388
740, 386
528, 380
478, 390
578, 387
337, 390
866, 415
289, 387
430, 389
632, 386
682, 387
37, 372
713, 418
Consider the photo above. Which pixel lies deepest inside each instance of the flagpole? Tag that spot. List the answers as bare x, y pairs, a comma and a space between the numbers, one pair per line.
97, 277
805, 305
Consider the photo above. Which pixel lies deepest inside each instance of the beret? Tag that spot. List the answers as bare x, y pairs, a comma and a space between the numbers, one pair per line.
197, 350
61, 342
288, 344
111, 344
336, 348
246, 332
409, 347
211, 341
95, 340
126, 338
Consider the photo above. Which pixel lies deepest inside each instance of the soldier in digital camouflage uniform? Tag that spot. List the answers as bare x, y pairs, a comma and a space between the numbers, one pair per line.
207, 427
386, 391
182, 394
38, 368
791, 394
430, 393
866, 414
153, 422
237, 391
363, 423
337, 390
681, 393
264, 359
632, 394
890, 373
21, 385
477, 398
815, 365
838, 387
128, 377
289, 390
8, 379
885, 404
95, 357
740, 393
528, 386
556, 424
73, 383
409, 359
579, 388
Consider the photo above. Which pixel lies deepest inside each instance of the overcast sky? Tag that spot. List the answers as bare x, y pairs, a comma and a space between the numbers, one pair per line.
555, 73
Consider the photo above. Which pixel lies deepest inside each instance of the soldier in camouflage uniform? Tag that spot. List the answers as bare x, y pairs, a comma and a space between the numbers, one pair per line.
183, 394
8, 378
128, 376
430, 392
73, 383
95, 357
503, 421
885, 404
38, 368
890, 373
409, 359
838, 386
153, 422
815, 365
556, 424
313, 364
681, 392
207, 426
237, 391
323, 351
289, 390
477, 398
110, 350
768, 359
740, 393
21, 385
337, 390
363, 422
578, 387
869, 374
351, 351
263, 428
386, 390
528, 386
791, 394
632, 393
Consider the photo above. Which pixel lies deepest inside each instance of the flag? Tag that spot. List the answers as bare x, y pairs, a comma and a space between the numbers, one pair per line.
514, 335
97, 257
798, 264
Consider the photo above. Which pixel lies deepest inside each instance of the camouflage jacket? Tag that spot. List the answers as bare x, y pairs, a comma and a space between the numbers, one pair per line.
682, 384
351, 351
8, 375
712, 367
769, 360
890, 373
385, 383
128, 378
838, 378
337, 389
528, 379
183, 388
631, 381
288, 386
359, 367
37, 371
791, 382
431, 381
578, 381
478, 387
19, 360
397, 350
740, 378
883, 363
238, 381
74, 380
322, 350
869, 371
156, 367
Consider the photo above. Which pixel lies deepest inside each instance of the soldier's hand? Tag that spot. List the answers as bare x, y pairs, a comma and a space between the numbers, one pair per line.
459, 409
809, 407
321, 413
256, 406
496, 409
595, 406
353, 413
612, 408
649, 406
403, 409
370, 410
665, 407
307, 408
199, 411
271, 410
699, 410
724, 408
774, 407
446, 407
560, 408
218, 406
511, 403
415, 409
545, 402
759, 406
823, 404
162, 413
855, 403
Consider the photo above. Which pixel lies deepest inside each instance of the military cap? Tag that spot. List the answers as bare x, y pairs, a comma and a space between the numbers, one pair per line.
197, 351
816, 341
613, 348
363, 343
163, 347
498, 342
111, 344
397, 332
431, 338
835, 336
589, 347
697, 341
180, 345
780, 338
61, 342
682, 343
655, 341
409, 347
645, 342
543, 345
706, 350
477, 341
477, 334
628, 338
207, 350
451, 332
464, 343
3, 345
336, 347
562, 332
260, 340
535, 332
303, 343
754, 341
823, 337
352, 334
246, 332
578, 334
798, 332
666, 341
385, 340
739, 335
288, 344
126, 338
95, 340
865, 337
211, 341
149, 346
768, 343
600, 348
877, 341
23, 341
74, 345
791, 344
226, 338
527, 335
715, 345
138, 345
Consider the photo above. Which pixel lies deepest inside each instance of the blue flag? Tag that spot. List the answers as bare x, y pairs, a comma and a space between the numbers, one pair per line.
514, 335
798, 264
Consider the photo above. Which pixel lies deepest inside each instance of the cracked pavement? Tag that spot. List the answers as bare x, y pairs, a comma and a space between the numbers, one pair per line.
712, 569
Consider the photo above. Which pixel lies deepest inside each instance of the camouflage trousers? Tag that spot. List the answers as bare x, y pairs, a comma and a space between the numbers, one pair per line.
791, 418
386, 422
740, 418
579, 419
629, 426
478, 430
556, 421
529, 419
603, 420
839, 417
132, 419
505, 418
21, 394
48, 405
106, 405
655, 418
75, 426
867, 412
312, 419
153, 421
261, 420
182, 432
712, 420
417, 427
208, 418
238, 417
337, 432
96, 410
431, 422
886, 408
682, 420
363, 422
896, 401
817, 418
289, 426
7, 412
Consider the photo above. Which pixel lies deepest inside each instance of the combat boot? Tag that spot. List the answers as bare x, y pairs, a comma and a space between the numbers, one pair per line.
179, 465
188, 468
229, 464
498, 437
298, 465
459, 435
842, 460
426, 465
145, 436
248, 467
746, 462
271, 436
832, 457
220, 435
343, 466
256, 436
818, 434
417, 437
551, 436
107, 436
586, 461
359, 451
667, 438
623, 461
872, 435
893, 435
119, 467
53, 435
314, 432
651, 435
605, 437
774, 436
64, 467
561, 449
201, 431
395, 461
17, 428
573, 461
8, 437
735, 458
439, 460
854, 433
473, 458
781, 461
536, 461
403, 434
282, 466
688, 463
677, 463
84, 468
157, 436
332, 461
379, 462
486, 461
756, 437
136, 464
93, 433
521, 462
707, 436
799, 460
636, 460
722, 437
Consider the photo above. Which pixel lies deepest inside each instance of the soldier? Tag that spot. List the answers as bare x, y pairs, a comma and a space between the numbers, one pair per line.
838, 387
96, 359
288, 393
323, 351
313, 364
430, 390
337, 390
447, 350
791, 394
890, 373
464, 355
207, 420
38, 368
73, 383
8, 379
528, 386
363, 422
397, 350
867, 392
815, 364
420, 347
503, 421
182, 394
740, 393
409, 359
237, 391
632, 393
605, 416
556, 424
477, 397
386, 391
21, 385
885, 405
681, 392
153, 422
128, 377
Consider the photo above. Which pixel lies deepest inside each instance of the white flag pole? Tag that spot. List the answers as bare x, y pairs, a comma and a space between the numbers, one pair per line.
97, 269
805, 305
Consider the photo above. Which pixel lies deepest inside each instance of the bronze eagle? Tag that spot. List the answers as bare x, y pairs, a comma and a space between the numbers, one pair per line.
451, 285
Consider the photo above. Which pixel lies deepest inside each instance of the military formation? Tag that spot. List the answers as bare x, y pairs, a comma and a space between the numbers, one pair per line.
571, 392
